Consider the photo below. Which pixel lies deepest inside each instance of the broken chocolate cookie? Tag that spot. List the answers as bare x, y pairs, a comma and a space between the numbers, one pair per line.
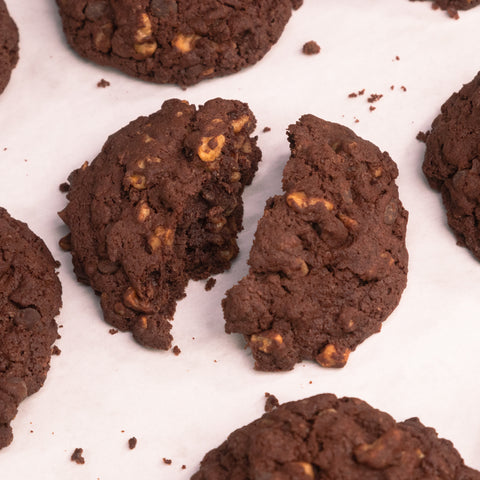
452, 163
336, 438
328, 263
30, 298
8, 46
161, 204
175, 41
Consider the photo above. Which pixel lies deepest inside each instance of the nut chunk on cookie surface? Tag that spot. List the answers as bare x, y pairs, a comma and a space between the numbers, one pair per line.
161, 204
325, 437
30, 298
452, 163
175, 41
328, 262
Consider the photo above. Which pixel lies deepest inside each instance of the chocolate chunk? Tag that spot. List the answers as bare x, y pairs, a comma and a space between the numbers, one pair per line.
328, 262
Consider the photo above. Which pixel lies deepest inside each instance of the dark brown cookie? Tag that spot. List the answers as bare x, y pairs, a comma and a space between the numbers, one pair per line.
325, 437
8, 45
161, 204
328, 263
30, 298
175, 41
452, 162
454, 4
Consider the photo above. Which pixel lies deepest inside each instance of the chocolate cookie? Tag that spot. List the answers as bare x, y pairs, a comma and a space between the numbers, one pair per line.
175, 41
452, 162
454, 4
30, 298
328, 263
8, 46
161, 204
325, 437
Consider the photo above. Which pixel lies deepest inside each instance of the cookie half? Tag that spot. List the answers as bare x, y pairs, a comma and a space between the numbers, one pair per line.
8, 46
30, 298
175, 41
329, 437
161, 204
328, 262
452, 163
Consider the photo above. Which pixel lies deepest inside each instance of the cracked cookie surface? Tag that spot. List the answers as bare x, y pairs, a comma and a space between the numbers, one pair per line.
8, 46
30, 298
328, 262
452, 164
175, 41
161, 204
336, 438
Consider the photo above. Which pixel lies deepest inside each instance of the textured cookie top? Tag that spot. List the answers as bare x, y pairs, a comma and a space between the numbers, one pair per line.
452, 162
175, 41
30, 298
8, 45
328, 263
159, 205
324, 437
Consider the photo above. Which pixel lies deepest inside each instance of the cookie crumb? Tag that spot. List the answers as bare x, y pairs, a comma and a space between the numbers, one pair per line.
167, 461
452, 13
267, 129
103, 83
176, 350
113, 331
184, 467
210, 284
404, 89
372, 108
311, 48
356, 120
392, 87
64, 187
422, 136
271, 402
374, 97
132, 443
56, 350
352, 95
397, 58
77, 456
361, 92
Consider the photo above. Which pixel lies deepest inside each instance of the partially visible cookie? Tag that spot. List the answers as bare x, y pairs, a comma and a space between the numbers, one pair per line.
30, 298
328, 262
161, 204
455, 4
336, 438
8, 45
175, 41
452, 163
